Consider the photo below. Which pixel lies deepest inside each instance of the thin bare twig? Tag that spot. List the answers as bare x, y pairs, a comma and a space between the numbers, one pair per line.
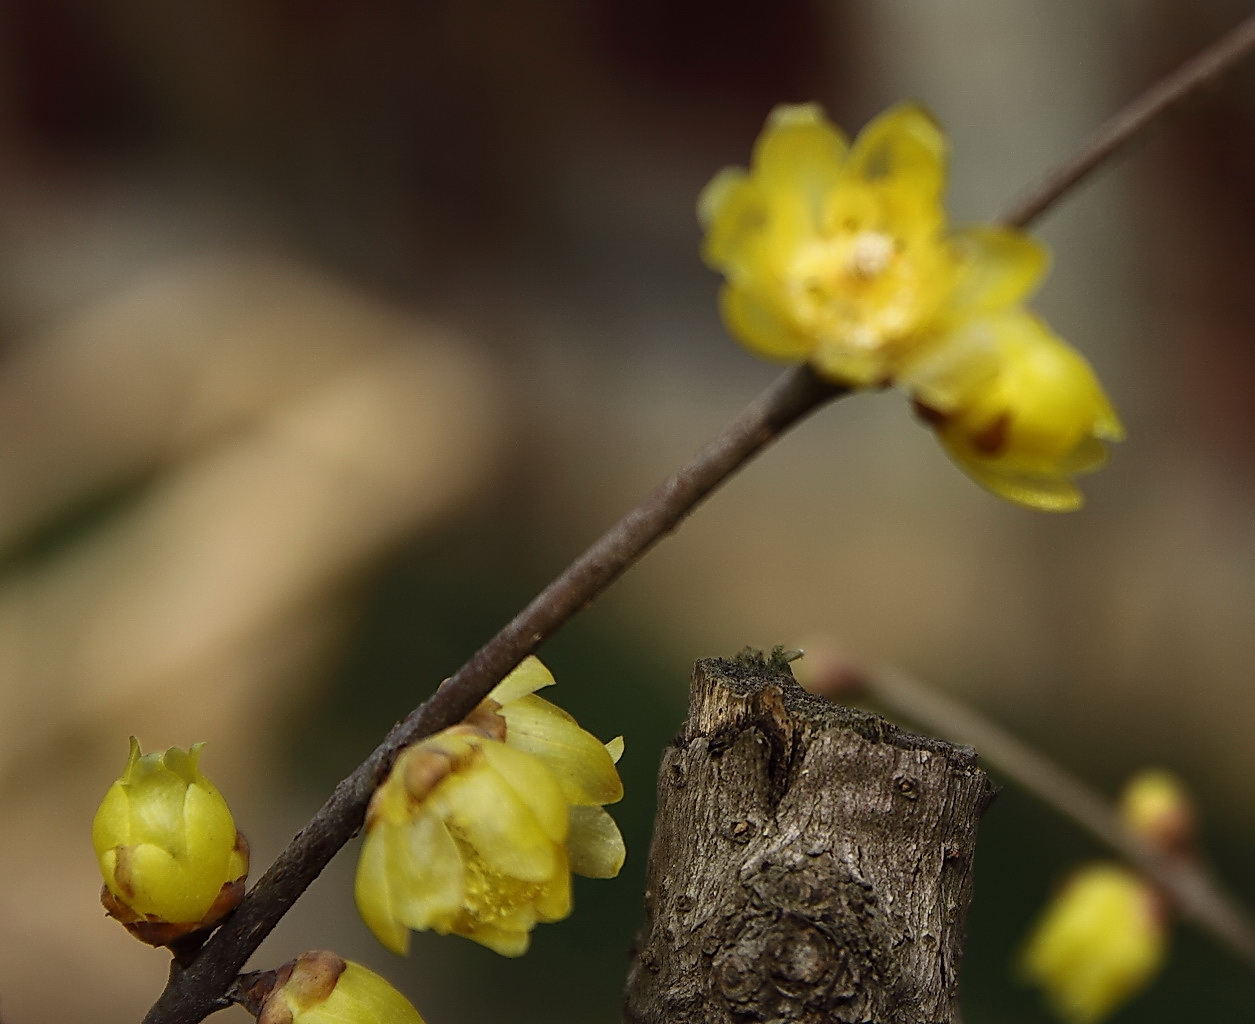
195, 991
1193, 890
1168, 93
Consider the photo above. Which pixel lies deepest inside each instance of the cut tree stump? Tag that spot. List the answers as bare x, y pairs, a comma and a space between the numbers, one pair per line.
810, 862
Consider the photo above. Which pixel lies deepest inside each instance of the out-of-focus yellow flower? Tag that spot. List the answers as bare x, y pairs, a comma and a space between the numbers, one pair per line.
839, 254
477, 829
322, 988
1100, 941
1017, 408
1157, 807
171, 857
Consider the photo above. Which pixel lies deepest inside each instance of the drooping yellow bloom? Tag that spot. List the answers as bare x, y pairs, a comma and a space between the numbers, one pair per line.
1017, 408
840, 255
1100, 941
319, 987
477, 829
171, 857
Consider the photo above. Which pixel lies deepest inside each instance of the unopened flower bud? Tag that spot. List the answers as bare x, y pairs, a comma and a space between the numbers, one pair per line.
1157, 807
319, 987
172, 860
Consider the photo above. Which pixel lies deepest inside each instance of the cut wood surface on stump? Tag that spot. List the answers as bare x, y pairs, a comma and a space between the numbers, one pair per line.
810, 862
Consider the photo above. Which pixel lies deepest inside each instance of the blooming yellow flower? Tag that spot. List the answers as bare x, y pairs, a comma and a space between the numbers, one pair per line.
322, 988
168, 848
1100, 941
477, 829
840, 255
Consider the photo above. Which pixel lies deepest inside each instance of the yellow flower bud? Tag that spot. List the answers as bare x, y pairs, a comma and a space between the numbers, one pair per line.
171, 857
322, 988
477, 829
1017, 408
1157, 807
1100, 941
840, 255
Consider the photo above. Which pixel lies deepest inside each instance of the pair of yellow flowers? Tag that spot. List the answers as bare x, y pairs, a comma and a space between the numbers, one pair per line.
475, 832
840, 255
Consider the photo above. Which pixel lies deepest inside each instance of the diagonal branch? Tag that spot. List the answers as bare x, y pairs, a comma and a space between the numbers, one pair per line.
195, 991
1164, 96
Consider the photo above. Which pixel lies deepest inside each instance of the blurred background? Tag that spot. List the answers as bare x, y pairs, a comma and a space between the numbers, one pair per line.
330, 332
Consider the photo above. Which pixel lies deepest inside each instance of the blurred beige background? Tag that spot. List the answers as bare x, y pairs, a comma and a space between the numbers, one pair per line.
308, 309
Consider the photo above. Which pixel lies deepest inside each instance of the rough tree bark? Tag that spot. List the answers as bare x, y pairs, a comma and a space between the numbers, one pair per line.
810, 863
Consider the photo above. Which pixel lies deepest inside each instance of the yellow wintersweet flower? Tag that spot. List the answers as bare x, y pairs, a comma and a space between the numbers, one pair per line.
477, 829
1100, 941
319, 987
171, 857
1017, 408
840, 255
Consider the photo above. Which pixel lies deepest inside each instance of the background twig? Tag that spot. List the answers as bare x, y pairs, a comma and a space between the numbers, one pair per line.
1193, 890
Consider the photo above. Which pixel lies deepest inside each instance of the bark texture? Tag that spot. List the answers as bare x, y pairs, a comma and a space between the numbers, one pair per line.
810, 862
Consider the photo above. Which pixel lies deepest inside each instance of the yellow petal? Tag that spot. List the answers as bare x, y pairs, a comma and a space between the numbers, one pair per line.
952, 370
595, 846
1041, 492
429, 873
553, 903
504, 941
534, 785
361, 997
998, 267
761, 327
209, 830
578, 760
798, 157
154, 882
529, 676
112, 825
478, 805
372, 889
734, 213
903, 152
